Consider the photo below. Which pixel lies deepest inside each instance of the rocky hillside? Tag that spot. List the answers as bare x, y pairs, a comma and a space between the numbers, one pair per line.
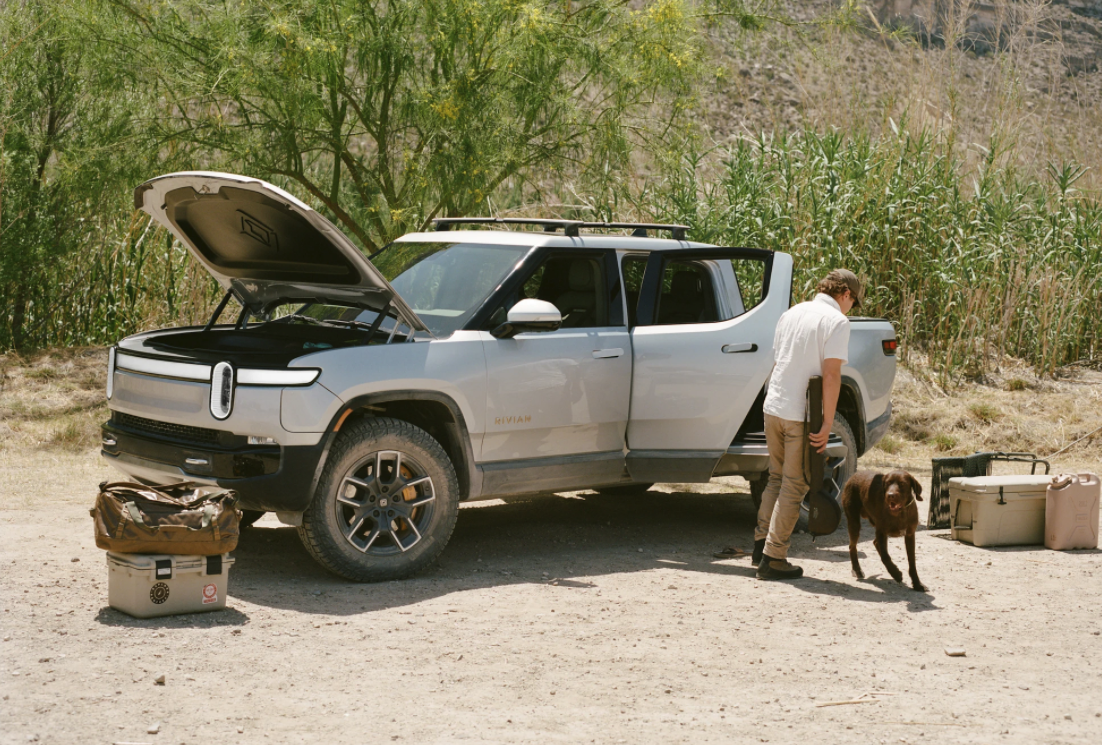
1024, 73
985, 28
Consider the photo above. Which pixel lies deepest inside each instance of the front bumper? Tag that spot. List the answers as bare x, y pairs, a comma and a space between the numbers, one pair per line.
267, 477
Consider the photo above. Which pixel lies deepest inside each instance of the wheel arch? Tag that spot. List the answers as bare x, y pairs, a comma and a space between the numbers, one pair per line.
435, 412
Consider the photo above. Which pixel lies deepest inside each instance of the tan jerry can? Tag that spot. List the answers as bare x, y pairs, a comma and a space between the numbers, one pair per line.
148, 585
1071, 513
998, 510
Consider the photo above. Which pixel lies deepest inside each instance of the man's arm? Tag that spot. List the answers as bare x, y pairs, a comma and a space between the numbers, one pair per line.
832, 384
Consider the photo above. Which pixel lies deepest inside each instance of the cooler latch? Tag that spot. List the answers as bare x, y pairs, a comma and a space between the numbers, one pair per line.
214, 564
163, 568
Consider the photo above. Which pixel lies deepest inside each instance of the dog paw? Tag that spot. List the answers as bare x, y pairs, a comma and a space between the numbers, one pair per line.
858, 574
918, 586
897, 576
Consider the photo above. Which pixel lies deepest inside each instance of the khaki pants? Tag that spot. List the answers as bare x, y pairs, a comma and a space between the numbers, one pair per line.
780, 504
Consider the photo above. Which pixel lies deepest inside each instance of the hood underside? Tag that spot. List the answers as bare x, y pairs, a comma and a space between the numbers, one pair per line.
264, 244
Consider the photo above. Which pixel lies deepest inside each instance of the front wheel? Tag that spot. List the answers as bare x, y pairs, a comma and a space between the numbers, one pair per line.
386, 504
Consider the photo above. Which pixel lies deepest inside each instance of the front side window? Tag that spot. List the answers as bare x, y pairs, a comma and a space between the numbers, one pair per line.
574, 284
445, 283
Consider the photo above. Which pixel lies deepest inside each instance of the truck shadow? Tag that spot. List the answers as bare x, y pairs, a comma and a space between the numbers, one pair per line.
566, 540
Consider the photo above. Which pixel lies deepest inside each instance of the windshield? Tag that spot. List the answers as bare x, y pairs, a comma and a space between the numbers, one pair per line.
445, 283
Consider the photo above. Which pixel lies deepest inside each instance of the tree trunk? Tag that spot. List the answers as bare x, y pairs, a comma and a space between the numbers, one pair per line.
18, 318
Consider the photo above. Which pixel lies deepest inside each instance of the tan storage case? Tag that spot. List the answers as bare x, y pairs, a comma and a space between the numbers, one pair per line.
1071, 512
149, 585
998, 510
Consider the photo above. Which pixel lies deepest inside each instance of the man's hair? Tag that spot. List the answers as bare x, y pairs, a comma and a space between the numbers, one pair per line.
831, 286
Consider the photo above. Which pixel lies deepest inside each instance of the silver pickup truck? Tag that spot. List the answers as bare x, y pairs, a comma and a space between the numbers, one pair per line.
362, 399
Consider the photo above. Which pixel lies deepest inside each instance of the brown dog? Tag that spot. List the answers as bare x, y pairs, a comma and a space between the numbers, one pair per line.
888, 500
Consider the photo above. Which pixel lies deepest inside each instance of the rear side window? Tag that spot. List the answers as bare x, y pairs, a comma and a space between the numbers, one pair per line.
687, 295
709, 290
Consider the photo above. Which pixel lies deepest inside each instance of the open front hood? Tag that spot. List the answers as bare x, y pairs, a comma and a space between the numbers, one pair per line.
264, 244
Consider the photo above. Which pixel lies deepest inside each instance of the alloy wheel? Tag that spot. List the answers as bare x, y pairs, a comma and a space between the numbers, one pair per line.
385, 503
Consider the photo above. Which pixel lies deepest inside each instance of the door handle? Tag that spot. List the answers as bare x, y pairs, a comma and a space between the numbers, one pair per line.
603, 354
736, 348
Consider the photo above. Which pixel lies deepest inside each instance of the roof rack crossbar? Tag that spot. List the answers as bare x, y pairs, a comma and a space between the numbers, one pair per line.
569, 227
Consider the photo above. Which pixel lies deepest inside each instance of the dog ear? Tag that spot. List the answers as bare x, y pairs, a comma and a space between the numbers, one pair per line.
876, 487
915, 487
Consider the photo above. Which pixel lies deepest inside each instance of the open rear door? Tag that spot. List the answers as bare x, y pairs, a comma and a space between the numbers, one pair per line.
703, 348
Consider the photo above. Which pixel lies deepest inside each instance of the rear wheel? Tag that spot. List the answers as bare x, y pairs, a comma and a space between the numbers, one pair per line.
845, 471
842, 429
386, 504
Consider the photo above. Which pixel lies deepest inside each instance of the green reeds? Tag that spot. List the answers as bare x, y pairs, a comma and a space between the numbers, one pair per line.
127, 276
971, 266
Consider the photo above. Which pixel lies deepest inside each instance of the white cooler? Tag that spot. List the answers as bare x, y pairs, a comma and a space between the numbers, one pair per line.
998, 510
148, 585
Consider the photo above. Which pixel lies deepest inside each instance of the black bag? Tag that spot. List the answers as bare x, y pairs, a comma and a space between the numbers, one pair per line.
824, 514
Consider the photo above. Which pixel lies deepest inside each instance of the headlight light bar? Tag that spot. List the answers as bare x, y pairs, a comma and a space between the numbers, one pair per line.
205, 373
249, 376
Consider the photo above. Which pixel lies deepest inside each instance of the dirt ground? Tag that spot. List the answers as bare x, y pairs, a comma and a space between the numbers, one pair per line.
560, 618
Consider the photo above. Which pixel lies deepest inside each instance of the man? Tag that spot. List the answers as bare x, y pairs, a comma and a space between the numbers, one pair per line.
812, 338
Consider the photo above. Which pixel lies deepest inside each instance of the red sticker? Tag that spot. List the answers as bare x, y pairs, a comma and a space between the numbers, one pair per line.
210, 594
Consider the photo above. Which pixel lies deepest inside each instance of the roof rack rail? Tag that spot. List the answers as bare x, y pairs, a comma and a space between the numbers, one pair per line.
570, 228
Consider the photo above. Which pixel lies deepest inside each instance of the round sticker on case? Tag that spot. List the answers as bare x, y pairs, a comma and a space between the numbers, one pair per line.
210, 594
158, 593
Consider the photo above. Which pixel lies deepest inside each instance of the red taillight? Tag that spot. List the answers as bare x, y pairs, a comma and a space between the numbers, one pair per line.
890, 345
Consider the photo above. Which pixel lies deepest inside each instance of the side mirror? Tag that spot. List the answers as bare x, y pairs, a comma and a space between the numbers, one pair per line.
529, 315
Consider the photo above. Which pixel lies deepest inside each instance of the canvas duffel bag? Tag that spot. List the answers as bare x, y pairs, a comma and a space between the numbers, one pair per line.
179, 518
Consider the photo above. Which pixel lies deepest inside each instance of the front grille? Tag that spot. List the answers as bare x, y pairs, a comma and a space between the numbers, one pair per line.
198, 435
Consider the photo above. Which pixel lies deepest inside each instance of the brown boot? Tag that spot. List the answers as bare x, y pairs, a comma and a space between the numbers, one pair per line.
771, 568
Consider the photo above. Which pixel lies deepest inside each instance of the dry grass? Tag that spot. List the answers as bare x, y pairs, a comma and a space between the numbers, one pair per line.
1013, 411
52, 400
51, 406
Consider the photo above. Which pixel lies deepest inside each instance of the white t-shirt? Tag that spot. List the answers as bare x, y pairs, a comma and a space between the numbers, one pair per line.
807, 334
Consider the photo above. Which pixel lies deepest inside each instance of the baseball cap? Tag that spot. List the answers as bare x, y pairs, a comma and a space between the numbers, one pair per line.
851, 281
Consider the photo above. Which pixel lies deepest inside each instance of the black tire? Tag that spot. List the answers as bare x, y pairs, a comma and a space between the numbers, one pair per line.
248, 517
842, 429
757, 489
362, 523
845, 471
625, 490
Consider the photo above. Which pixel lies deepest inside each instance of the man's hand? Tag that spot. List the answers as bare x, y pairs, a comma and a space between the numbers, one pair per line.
819, 439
